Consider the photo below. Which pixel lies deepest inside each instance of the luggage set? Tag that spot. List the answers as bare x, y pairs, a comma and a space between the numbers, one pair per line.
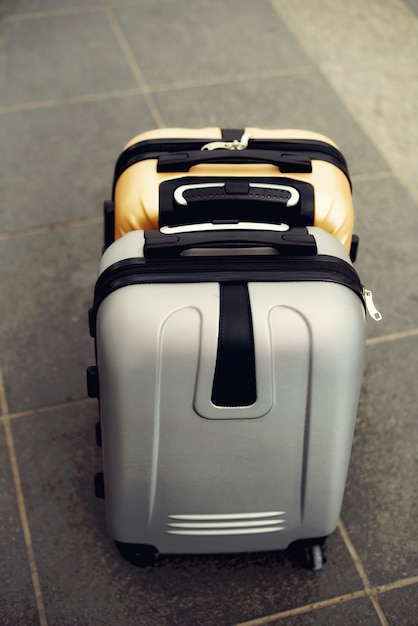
229, 328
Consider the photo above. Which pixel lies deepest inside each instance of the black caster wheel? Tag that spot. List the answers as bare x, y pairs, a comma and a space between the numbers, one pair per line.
310, 553
138, 554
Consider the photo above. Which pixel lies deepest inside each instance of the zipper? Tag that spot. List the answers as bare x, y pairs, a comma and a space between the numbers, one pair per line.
152, 149
322, 268
371, 309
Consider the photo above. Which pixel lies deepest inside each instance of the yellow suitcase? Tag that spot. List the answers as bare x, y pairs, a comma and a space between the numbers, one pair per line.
175, 176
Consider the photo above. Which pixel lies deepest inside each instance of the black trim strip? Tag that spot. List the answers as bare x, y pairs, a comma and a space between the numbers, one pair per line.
136, 271
297, 242
234, 382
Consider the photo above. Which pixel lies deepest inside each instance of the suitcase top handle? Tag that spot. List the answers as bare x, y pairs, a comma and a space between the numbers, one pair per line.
295, 162
295, 242
184, 194
188, 200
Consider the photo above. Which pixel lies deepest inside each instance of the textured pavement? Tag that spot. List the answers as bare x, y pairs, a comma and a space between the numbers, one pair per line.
78, 79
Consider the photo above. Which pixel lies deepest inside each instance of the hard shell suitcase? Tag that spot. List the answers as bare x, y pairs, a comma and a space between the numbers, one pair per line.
174, 176
228, 372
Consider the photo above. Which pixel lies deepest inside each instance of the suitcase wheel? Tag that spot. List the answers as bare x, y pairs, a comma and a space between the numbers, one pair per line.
139, 554
310, 553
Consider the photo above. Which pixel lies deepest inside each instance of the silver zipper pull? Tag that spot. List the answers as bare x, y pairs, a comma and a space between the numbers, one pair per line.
371, 309
216, 145
243, 142
240, 144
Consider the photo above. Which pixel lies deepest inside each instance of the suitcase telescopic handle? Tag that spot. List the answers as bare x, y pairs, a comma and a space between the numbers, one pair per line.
297, 242
182, 161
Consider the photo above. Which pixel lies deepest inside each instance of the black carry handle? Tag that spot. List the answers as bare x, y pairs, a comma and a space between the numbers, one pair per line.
291, 243
271, 200
183, 161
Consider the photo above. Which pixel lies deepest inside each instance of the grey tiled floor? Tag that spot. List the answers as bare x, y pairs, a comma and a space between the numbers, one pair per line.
78, 78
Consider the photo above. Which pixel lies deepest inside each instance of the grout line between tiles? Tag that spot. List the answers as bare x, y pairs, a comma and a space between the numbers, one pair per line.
46, 228
34, 15
45, 409
368, 592
398, 584
233, 78
361, 178
335, 601
21, 503
392, 337
330, 602
145, 90
55, 102
131, 61
371, 593
303, 610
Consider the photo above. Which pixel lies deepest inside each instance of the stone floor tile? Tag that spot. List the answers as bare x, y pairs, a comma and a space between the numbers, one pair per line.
18, 7
374, 72
199, 40
83, 578
60, 56
367, 30
386, 219
360, 612
387, 115
46, 294
17, 599
62, 166
401, 606
380, 504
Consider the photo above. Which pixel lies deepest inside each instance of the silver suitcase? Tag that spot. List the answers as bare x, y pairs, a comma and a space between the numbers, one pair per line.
228, 372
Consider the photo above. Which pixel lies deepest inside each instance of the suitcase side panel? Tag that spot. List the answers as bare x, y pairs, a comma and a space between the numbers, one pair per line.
162, 458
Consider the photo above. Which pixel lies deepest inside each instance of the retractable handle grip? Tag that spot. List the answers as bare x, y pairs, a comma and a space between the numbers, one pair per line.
292, 243
182, 161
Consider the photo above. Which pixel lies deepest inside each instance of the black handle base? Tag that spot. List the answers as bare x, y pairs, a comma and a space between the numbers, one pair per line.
297, 242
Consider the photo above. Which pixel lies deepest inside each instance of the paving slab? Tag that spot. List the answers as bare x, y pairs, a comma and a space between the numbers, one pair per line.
46, 293
367, 52
359, 612
58, 56
380, 505
401, 606
210, 38
17, 602
62, 166
83, 578
386, 219
19, 7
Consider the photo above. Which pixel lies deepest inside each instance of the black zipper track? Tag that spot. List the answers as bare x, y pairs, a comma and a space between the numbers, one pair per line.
152, 148
137, 271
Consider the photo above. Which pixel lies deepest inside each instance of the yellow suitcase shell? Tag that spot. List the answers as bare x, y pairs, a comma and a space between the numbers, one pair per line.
136, 193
